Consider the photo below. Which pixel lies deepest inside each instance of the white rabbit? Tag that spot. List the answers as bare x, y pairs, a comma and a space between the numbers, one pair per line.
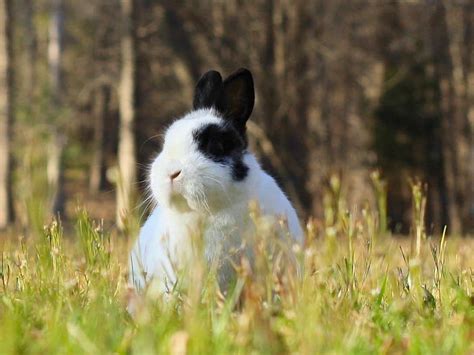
204, 178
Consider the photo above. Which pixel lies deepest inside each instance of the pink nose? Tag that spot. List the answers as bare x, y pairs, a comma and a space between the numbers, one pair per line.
175, 175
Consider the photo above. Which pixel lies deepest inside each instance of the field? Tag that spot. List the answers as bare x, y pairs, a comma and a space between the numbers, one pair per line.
64, 290
362, 111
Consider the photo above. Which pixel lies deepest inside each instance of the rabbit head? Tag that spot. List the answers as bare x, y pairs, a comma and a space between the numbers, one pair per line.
202, 163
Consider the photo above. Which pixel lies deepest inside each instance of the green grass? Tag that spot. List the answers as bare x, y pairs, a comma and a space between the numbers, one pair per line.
361, 292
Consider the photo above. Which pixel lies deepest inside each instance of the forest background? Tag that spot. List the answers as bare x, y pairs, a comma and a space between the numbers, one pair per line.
356, 98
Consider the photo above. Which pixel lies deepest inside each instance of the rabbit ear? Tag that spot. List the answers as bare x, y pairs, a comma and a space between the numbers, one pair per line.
208, 90
234, 98
238, 97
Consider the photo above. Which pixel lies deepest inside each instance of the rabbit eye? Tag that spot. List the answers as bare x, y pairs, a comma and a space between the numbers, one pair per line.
216, 147
220, 147
217, 143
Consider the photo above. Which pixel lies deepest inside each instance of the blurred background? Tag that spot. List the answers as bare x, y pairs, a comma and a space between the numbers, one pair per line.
354, 98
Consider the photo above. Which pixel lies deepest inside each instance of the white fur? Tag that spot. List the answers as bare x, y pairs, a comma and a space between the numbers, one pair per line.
203, 196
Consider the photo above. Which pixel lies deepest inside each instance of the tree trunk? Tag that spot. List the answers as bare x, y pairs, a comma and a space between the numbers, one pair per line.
126, 145
56, 149
460, 50
30, 52
97, 173
5, 117
55, 173
55, 48
449, 112
26, 38
468, 80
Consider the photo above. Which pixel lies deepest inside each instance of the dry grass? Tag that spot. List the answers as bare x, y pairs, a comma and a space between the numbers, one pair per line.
362, 291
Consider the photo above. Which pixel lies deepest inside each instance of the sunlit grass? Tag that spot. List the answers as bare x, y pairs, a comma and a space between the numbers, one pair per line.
360, 292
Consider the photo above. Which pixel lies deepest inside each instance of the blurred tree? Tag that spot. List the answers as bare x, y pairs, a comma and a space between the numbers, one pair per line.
101, 91
400, 115
459, 27
101, 112
5, 115
55, 168
467, 58
452, 136
126, 148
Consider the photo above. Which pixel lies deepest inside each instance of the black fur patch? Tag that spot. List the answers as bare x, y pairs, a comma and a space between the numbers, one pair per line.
224, 145
239, 170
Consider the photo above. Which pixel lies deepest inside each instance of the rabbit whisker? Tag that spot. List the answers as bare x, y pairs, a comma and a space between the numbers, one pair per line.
220, 184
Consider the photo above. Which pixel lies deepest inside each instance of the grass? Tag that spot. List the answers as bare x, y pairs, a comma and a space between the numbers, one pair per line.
361, 292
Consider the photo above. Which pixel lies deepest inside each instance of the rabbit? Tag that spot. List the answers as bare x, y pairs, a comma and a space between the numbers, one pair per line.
205, 177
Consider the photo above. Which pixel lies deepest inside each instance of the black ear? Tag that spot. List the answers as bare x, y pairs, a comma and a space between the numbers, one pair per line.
238, 97
208, 90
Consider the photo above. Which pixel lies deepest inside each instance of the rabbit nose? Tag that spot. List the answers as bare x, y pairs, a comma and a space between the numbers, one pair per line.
175, 175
